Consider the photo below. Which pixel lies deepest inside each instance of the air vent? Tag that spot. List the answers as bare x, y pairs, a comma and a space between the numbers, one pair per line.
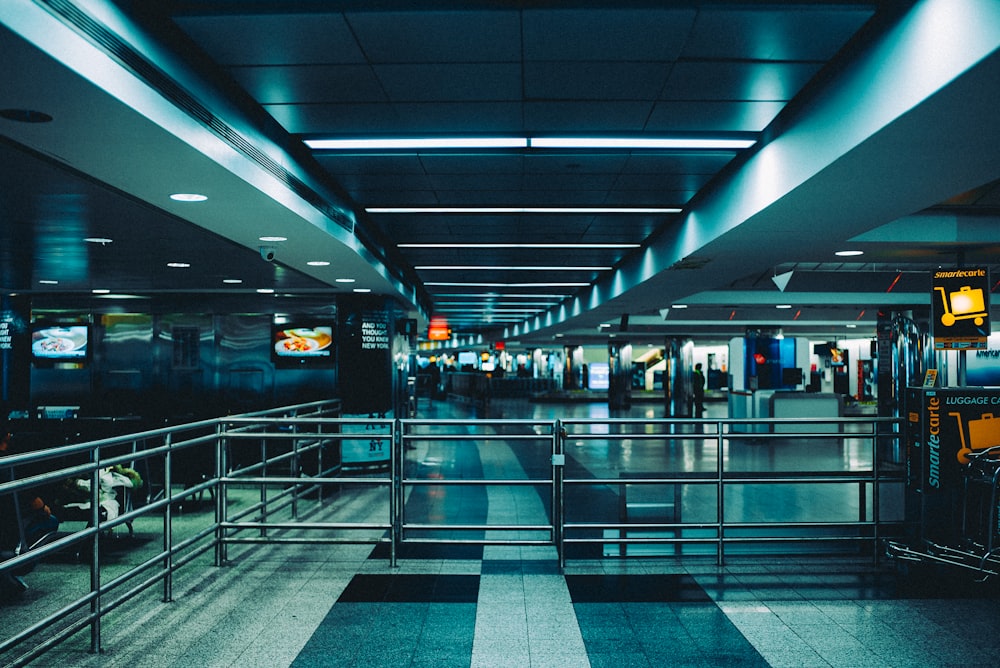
170, 90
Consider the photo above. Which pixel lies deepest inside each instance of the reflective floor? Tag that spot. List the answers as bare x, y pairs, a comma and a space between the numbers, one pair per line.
491, 606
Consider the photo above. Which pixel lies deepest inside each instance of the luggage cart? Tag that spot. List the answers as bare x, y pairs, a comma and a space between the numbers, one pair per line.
979, 545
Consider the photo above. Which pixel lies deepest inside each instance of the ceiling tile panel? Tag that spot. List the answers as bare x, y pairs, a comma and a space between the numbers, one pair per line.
438, 36
711, 116
274, 39
575, 162
587, 116
337, 119
310, 84
737, 80
451, 81
370, 164
605, 34
799, 33
690, 162
456, 118
466, 163
566, 80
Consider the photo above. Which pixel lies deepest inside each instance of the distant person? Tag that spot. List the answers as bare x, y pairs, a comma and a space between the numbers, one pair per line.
698, 383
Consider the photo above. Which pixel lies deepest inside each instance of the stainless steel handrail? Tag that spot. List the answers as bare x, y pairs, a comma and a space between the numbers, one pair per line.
295, 432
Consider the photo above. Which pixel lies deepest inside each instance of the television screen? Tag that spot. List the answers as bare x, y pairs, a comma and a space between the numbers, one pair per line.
55, 342
302, 343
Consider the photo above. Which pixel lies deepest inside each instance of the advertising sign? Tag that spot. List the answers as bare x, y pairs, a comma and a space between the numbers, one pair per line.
946, 427
960, 308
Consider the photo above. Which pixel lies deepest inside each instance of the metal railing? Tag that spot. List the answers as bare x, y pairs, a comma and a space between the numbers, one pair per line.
276, 477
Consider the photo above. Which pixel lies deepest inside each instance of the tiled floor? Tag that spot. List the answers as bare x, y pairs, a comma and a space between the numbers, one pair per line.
494, 606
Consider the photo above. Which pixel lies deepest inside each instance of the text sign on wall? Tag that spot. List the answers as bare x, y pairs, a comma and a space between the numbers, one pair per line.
960, 308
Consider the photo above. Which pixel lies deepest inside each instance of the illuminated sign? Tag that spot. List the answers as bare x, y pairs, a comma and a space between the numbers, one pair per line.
438, 330
960, 308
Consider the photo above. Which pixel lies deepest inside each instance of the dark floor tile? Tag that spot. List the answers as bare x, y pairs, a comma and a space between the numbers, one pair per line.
634, 588
429, 551
411, 589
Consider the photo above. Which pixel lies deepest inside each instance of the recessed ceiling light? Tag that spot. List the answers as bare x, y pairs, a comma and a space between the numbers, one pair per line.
362, 290
678, 306
188, 197
232, 281
98, 240
849, 253
25, 116
273, 239
265, 291
346, 280
178, 265
318, 263
46, 281
100, 291
782, 306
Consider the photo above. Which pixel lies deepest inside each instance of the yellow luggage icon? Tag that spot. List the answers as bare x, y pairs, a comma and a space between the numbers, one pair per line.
964, 304
983, 433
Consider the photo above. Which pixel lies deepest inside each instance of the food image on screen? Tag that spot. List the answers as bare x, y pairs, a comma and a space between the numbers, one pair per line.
60, 342
303, 342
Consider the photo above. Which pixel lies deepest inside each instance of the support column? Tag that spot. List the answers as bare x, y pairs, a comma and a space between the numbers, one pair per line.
619, 375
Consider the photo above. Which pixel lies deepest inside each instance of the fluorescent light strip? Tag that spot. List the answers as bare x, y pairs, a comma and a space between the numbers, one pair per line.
474, 267
509, 285
501, 295
542, 246
522, 209
447, 302
416, 143
640, 142
427, 143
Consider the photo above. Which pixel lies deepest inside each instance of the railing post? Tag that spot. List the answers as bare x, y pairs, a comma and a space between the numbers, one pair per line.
721, 497
396, 489
168, 522
558, 476
221, 490
95, 551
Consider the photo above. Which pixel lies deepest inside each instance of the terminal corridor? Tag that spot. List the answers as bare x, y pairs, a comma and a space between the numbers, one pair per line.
497, 605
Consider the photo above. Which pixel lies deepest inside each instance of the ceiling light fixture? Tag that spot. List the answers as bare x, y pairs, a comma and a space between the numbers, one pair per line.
100, 291
849, 253
783, 306
46, 281
232, 281
509, 285
346, 280
318, 263
273, 239
265, 291
535, 246
362, 289
415, 143
99, 240
693, 143
188, 197
474, 267
522, 209
432, 143
178, 265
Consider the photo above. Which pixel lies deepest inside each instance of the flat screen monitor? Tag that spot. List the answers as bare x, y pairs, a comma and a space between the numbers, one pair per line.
59, 342
302, 343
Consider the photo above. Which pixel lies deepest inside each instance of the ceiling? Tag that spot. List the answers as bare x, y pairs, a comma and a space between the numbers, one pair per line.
873, 128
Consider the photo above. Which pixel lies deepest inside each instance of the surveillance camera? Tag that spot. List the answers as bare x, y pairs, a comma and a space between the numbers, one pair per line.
267, 253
